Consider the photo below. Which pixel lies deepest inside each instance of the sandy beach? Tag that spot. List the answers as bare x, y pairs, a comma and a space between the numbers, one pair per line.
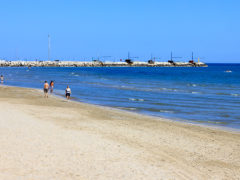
56, 139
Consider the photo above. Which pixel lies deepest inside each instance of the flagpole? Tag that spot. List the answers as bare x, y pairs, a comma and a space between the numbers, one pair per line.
48, 47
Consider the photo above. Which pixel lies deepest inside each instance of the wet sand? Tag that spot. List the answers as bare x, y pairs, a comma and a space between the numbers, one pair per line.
58, 139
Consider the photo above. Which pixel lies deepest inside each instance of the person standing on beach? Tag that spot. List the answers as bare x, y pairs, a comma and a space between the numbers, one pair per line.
68, 92
51, 86
45, 89
2, 78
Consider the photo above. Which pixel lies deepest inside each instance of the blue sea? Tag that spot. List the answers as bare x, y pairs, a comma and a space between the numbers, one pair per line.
208, 95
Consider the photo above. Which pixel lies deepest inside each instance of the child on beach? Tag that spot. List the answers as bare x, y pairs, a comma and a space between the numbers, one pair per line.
2, 78
45, 89
51, 86
68, 92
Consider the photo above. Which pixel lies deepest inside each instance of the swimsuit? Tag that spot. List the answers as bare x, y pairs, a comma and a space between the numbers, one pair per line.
68, 90
45, 90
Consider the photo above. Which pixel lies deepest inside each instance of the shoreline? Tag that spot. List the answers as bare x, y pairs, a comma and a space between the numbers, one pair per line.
184, 121
58, 139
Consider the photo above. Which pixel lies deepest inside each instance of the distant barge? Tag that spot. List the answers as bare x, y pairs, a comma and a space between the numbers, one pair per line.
97, 63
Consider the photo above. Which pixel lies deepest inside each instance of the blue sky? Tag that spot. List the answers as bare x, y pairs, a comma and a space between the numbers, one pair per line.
83, 29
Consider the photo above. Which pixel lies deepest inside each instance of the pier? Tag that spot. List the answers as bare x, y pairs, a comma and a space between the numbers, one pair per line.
58, 63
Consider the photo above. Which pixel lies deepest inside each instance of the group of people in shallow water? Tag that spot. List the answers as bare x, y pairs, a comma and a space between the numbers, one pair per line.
50, 86
46, 88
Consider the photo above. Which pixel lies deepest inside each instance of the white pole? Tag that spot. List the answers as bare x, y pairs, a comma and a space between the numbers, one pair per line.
48, 47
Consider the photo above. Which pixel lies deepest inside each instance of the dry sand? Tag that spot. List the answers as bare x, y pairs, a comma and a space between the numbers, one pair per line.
55, 139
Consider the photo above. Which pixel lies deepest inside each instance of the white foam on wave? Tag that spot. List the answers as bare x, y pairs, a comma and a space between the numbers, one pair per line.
195, 92
235, 94
193, 85
131, 109
73, 74
127, 108
165, 111
168, 89
228, 71
124, 87
135, 99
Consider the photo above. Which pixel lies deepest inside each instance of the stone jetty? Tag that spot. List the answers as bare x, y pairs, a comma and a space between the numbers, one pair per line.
96, 63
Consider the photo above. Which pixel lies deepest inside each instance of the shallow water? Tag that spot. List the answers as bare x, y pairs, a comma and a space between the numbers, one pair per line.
209, 95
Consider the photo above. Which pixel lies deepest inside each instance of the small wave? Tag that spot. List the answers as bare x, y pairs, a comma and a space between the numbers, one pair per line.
165, 111
235, 94
171, 89
74, 74
124, 87
126, 108
211, 122
216, 122
193, 85
133, 99
168, 89
193, 92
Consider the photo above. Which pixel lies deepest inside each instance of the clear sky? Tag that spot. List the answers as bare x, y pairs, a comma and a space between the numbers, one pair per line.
81, 29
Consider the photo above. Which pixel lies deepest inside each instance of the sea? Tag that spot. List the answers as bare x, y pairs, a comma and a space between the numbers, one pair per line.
203, 95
